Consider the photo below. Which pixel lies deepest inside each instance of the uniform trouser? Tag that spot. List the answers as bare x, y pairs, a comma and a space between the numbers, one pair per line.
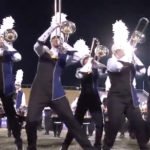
124, 125
118, 106
13, 120
62, 108
20, 120
95, 110
91, 128
57, 128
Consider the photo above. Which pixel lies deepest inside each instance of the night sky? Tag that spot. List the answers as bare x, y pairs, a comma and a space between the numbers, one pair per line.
93, 18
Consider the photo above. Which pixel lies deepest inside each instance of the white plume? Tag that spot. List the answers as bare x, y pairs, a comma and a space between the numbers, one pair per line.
120, 39
56, 18
81, 47
19, 76
121, 33
8, 23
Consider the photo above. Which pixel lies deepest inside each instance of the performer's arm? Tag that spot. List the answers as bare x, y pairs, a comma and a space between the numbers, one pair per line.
86, 68
43, 38
16, 57
107, 84
148, 77
78, 74
148, 71
113, 65
39, 46
72, 58
23, 102
140, 68
10, 53
98, 65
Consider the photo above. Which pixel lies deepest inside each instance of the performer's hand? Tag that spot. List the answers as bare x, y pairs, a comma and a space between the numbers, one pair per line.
52, 55
85, 59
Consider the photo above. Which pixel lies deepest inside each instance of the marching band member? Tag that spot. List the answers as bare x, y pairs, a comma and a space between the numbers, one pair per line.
47, 114
89, 99
19, 100
47, 89
122, 99
8, 55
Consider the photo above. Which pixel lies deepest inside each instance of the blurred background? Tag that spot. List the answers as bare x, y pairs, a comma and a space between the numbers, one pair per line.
93, 18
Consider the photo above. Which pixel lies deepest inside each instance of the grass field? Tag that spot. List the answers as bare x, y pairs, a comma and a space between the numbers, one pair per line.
49, 142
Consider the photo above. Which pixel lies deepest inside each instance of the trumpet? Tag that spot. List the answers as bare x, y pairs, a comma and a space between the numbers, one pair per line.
138, 35
67, 27
10, 35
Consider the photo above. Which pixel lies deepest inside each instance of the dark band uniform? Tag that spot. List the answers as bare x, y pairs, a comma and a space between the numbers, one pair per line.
122, 100
8, 55
89, 100
47, 90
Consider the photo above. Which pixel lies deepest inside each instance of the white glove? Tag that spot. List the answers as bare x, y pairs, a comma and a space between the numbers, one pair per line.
47, 33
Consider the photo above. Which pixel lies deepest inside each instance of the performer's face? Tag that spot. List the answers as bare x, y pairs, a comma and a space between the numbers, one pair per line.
55, 41
119, 53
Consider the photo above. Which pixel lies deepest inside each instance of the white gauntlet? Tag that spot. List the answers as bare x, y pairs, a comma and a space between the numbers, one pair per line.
46, 34
1, 52
78, 74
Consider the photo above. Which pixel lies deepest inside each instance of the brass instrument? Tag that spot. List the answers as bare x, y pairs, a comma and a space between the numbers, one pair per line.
138, 35
99, 50
10, 35
66, 27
